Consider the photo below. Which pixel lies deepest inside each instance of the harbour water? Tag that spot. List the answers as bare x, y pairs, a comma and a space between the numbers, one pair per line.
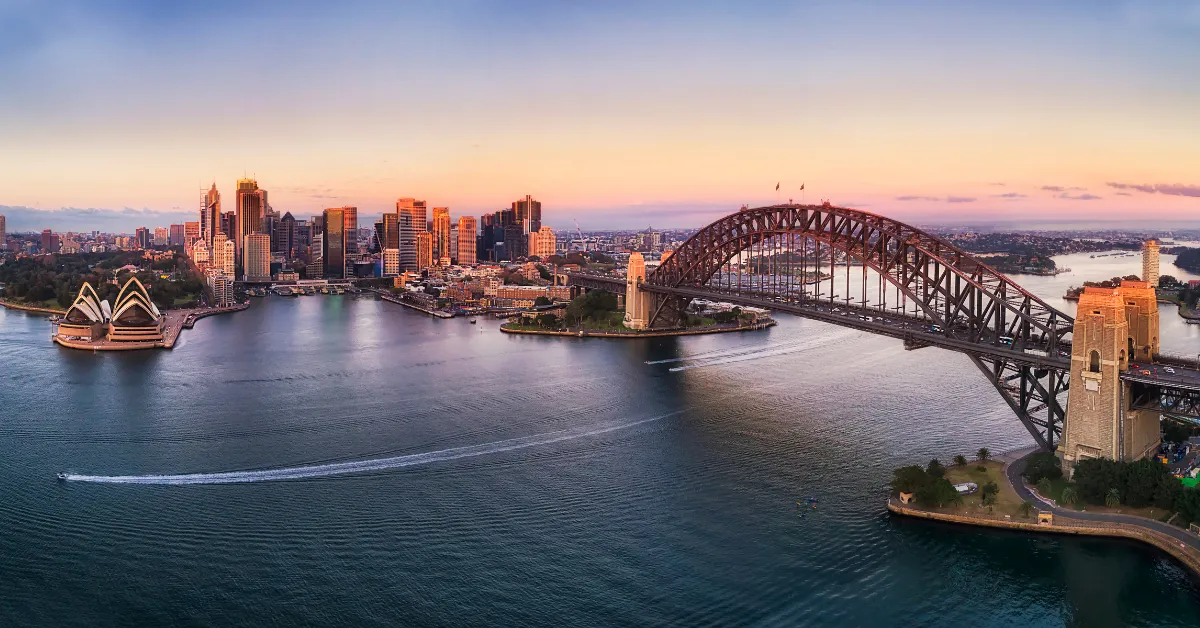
377, 467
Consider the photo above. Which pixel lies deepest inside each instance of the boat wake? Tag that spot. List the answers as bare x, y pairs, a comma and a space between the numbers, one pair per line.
764, 352
362, 466
723, 353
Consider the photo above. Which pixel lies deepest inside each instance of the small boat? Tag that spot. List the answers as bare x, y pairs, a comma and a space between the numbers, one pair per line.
472, 321
62, 476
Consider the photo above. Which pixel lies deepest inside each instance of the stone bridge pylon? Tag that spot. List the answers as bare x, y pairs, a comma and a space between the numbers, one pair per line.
1114, 329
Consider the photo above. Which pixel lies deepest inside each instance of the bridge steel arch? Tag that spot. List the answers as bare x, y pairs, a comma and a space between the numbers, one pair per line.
968, 300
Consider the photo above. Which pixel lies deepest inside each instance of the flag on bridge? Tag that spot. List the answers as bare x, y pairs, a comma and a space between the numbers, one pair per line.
801, 186
776, 187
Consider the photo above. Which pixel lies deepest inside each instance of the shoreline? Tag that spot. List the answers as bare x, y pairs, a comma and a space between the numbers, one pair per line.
177, 321
1123, 526
647, 334
1189, 559
29, 308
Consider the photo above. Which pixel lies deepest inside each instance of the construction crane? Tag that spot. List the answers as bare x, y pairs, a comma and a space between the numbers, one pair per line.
579, 232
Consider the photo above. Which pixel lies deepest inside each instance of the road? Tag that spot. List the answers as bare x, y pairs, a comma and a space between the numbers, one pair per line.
1015, 469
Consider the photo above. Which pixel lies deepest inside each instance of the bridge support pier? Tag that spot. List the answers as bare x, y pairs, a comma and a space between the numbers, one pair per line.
637, 301
1114, 327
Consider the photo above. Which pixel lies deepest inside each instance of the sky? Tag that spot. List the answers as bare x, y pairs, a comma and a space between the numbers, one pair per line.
616, 114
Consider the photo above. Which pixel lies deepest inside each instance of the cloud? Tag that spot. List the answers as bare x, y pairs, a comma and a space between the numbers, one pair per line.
935, 199
1053, 188
1010, 195
125, 220
1080, 197
1169, 189
998, 184
1123, 194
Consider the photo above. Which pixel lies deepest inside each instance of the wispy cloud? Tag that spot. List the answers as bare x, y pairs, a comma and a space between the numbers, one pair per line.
960, 199
1080, 197
1060, 188
1010, 195
1169, 189
998, 184
917, 198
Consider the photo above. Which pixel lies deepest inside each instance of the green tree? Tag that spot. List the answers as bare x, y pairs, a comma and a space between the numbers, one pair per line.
1044, 487
909, 479
935, 469
1168, 493
1069, 496
1026, 509
983, 454
988, 493
1175, 432
1096, 477
1042, 465
938, 493
542, 301
544, 272
960, 460
1113, 499
1142, 481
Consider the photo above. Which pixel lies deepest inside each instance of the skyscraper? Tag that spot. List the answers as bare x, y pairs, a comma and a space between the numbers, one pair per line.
350, 219
541, 242
410, 215
48, 241
390, 239
210, 215
257, 257
222, 253
141, 235
283, 240
424, 250
227, 225
333, 243
466, 240
516, 242
191, 233
251, 206
3, 235
528, 213
162, 236
441, 232
453, 244
1150, 262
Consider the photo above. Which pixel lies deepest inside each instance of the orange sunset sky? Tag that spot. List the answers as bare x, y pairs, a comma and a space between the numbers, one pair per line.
617, 114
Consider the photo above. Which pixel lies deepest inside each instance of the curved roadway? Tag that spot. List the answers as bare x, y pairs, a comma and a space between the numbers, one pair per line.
1014, 470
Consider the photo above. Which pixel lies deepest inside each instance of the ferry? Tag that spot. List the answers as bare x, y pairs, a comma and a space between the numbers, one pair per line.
62, 477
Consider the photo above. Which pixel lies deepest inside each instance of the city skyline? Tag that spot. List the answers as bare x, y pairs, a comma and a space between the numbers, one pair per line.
614, 115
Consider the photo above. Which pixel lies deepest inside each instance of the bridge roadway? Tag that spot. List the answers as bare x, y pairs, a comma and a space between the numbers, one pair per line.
1164, 372
915, 331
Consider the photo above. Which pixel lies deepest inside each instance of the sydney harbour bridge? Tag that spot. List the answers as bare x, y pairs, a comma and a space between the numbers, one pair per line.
868, 272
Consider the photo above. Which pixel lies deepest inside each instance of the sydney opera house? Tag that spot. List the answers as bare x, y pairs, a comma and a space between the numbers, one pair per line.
132, 320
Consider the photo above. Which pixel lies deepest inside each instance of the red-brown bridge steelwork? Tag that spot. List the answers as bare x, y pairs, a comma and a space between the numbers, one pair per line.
939, 294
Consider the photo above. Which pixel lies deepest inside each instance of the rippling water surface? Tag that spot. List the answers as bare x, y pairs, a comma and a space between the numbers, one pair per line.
487, 479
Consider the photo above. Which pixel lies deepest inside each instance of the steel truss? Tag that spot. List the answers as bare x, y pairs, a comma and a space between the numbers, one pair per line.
966, 299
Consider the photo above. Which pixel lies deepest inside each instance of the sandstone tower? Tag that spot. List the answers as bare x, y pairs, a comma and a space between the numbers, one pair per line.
637, 303
1114, 327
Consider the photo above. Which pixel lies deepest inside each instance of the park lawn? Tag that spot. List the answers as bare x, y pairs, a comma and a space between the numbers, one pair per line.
1007, 500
